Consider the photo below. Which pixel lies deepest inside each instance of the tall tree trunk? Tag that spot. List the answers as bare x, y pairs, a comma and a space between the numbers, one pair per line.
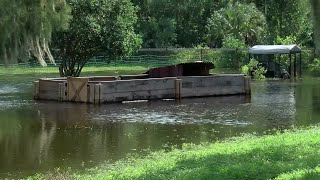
315, 8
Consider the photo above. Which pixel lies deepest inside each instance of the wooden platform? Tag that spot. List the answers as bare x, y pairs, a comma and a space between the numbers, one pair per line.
110, 89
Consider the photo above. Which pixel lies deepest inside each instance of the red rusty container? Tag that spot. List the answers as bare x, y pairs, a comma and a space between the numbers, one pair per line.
184, 69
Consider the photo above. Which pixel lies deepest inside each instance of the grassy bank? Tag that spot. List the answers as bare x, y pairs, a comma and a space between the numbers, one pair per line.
289, 155
24, 70
19, 74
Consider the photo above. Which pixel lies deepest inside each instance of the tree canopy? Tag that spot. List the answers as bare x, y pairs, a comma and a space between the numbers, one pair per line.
242, 21
115, 27
176, 23
26, 27
97, 26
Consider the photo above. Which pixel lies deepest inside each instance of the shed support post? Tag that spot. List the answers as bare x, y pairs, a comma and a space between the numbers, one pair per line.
300, 65
295, 65
291, 67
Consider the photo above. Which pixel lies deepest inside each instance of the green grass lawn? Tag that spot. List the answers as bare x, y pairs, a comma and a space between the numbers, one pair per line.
23, 70
22, 74
290, 155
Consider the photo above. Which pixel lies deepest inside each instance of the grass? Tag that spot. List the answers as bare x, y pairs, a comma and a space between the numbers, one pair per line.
24, 70
22, 74
293, 154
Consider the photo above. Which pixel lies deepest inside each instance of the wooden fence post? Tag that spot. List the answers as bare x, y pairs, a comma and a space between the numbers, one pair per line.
247, 85
63, 93
178, 86
36, 90
91, 93
97, 93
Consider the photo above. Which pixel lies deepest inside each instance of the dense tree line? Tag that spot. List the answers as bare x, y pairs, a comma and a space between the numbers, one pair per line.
82, 28
188, 23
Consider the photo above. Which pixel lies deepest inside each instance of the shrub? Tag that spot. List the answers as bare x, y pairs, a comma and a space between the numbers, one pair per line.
254, 69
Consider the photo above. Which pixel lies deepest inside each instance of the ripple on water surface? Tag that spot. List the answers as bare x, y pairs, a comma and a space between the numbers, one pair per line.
8, 89
192, 111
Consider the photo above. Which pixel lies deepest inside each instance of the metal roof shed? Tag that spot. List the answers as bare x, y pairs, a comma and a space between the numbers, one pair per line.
275, 49
292, 49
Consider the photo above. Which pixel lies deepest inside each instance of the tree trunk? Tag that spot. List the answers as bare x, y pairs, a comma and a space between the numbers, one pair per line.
315, 8
71, 67
66, 70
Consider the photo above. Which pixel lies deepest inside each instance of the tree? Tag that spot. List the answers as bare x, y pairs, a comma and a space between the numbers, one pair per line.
26, 26
315, 4
156, 23
98, 26
286, 18
174, 23
241, 21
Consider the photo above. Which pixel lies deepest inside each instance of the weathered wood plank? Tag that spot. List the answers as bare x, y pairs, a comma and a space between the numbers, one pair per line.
213, 86
91, 93
48, 90
178, 86
139, 95
77, 89
138, 85
36, 90
97, 93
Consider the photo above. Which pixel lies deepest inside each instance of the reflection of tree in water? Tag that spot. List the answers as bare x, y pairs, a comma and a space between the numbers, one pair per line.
308, 101
25, 139
46, 136
273, 105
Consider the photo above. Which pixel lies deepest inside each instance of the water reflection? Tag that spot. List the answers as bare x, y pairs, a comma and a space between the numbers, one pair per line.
39, 136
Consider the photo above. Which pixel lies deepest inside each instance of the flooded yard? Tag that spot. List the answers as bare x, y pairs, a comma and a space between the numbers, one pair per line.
40, 136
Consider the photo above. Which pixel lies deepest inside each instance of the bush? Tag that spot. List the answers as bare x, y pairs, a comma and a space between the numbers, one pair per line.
233, 58
314, 68
254, 69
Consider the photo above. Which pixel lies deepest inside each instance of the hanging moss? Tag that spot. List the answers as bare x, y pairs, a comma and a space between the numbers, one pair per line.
26, 27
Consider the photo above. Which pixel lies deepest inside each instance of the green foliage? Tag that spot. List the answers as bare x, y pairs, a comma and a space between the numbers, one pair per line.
242, 21
254, 69
286, 40
232, 59
27, 26
200, 53
174, 23
188, 23
97, 26
314, 67
286, 18
245, 70
315, 6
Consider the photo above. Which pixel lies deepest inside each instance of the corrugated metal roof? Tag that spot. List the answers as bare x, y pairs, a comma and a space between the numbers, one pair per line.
275, 49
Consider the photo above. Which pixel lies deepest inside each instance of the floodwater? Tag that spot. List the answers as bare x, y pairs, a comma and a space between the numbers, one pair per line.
41, 136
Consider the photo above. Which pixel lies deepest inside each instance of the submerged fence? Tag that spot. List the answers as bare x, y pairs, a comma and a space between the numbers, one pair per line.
149, 58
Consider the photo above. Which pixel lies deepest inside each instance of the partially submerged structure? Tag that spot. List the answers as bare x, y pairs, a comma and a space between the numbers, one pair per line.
266, 55
170, 82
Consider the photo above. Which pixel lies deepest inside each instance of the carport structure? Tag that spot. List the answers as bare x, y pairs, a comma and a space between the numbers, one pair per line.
293, 51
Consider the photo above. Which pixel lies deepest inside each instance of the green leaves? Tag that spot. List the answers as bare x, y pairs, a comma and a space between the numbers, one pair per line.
98, 26
26, 26
242, 21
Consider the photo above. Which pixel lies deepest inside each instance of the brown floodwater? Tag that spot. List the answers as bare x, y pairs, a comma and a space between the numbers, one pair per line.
41, 136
